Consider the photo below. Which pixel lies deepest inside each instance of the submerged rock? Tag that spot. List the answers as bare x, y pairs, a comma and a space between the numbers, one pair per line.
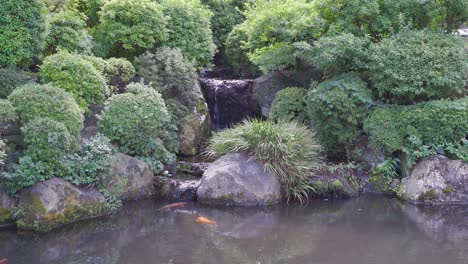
129, 178
56, 202
7, 205
332, 187
177, 190
437, 180
195, 128
238, 179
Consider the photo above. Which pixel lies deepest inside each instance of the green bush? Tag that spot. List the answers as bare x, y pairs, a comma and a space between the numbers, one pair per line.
339, 54
236, 53
10, 78
24, 174
337, 108
54, 6
422, 129
287, 149
190, 30
23, 29
67, 32
137, 122
47, 141
416, 66
127, 28
290, 104
77, 76
98, 63
118, 71
169, 73
273, 27
34, 101
7, 112
91, 8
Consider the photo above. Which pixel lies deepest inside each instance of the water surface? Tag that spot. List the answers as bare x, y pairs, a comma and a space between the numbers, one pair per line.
367, 230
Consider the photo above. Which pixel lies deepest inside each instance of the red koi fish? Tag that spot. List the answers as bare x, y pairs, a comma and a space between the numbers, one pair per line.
203, 220
173, 205
3, 261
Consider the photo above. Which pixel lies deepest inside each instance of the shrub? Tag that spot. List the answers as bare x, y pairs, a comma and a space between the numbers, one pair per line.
289, 105
76, 76
67, 32
47, 141
118, 71
33, 101
92, 8
339, 54
190, 30
137, 122
236, 53
7, 112
10, 78
24, 174
337, 108
273, 27
90, 162
98, 63
55, 6
127, 28
22, 30
422, 129
169, 73
417, 66
285, 148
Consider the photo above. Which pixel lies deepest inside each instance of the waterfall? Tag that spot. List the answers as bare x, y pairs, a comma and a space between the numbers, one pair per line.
216, 110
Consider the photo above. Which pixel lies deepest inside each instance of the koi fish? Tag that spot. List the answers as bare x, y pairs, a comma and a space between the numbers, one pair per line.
3, 261
203, 220
173, 205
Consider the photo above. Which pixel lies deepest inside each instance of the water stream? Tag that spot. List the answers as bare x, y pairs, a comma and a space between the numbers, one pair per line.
367, 230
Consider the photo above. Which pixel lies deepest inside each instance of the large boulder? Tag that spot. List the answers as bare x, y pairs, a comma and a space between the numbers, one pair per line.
195, 128
437, 180
7, 206
56, 202
238, 179
129, 178
177, 190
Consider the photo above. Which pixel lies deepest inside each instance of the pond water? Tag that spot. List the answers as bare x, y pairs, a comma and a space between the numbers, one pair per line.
374, 230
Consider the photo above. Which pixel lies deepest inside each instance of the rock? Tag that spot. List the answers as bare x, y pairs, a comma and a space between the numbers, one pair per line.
92, 117
192, 169
195, 129
229, 101
56, 202
178, 190
129, 178
332, 187
89, 132
436, 180
10, 132
362, 151
7, 206
238, 179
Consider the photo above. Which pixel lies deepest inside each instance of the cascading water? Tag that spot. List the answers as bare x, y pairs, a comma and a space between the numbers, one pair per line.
216, 111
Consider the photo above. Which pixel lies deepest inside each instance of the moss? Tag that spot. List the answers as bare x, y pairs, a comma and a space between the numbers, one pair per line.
448, 189
202, 108
337, 185
319, 186
37, 205
430, 195
5, 215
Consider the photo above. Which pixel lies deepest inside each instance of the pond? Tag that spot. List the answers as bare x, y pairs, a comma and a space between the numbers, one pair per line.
370, 229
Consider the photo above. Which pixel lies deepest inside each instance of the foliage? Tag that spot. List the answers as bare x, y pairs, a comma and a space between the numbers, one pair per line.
118, 71
422, 129
67, 32
91, 8
236, 53
289, 105
177, 111
98, 63
10, 78
137, 122
226, 15
7, 111
77, 76
417, 66
169, 73
384, 173
127, 28
337, 108
190, 30
34, 101
287, 149
24, 174
23, 29
339, 54
54, 6
273, 27
90, 162
47, 141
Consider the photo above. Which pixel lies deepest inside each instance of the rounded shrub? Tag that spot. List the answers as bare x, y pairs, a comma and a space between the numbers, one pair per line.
34, 101
337, 108
118, 71
422, 129
7, 112
287, 149
77, 76
47, 141
10, 78
137, 122
417, 66
68, 32
236, 53
190, 30
23, 29
169, 73
127, 28
290, 104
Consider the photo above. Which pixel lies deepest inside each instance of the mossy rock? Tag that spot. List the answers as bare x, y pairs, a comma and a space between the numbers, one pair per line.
195, 128
332, 187
7, 207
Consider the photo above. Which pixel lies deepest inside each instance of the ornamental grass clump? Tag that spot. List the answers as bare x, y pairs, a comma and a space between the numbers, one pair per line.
288, 149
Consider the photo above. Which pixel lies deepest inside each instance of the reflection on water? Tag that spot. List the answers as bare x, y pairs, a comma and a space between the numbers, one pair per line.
365, 230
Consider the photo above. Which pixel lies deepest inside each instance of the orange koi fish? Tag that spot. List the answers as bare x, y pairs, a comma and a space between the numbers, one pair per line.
203, 220
173, 205
3, 261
